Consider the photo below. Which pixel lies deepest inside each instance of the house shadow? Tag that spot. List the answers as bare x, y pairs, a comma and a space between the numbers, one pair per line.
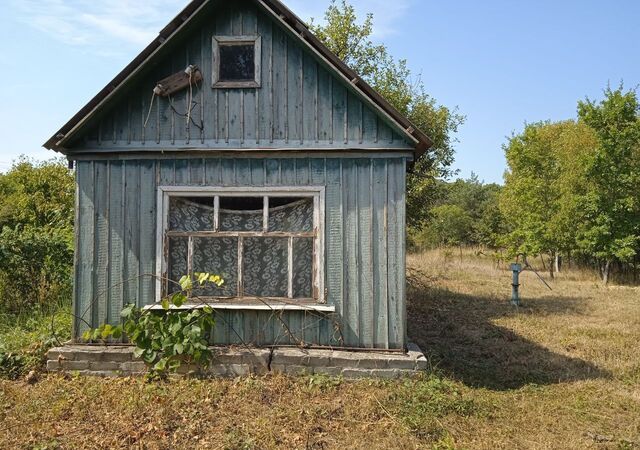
457, 334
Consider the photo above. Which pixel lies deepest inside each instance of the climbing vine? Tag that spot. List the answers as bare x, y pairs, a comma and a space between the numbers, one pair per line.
165, 339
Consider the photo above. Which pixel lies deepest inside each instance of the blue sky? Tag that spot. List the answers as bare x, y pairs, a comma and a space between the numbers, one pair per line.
502, 63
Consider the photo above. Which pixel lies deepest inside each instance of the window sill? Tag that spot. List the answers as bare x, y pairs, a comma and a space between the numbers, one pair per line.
250, 307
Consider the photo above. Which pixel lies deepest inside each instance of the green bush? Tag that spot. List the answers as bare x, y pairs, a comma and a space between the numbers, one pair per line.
35, 267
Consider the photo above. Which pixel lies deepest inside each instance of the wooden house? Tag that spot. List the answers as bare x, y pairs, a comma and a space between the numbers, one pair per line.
236, 143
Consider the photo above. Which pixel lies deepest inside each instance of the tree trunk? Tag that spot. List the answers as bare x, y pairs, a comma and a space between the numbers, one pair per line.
557, 263
605, 272
544, 266
552, 258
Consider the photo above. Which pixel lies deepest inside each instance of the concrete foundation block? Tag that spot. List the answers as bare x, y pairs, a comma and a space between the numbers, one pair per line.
74, 365
235, 362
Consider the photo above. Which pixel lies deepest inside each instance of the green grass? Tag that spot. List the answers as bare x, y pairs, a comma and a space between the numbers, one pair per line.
560, 372
25, 338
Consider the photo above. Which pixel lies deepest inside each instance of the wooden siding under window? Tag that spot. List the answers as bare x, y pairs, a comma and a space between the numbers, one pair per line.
364, 244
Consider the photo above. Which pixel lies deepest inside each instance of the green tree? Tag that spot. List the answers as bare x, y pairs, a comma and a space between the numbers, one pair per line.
541, 186
450, 225
351, 41
36, 234
610, 228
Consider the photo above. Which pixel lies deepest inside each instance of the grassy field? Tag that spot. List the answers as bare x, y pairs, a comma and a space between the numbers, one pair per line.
563, 371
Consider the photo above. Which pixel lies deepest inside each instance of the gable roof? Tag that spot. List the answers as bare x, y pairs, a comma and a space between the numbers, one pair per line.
290, 21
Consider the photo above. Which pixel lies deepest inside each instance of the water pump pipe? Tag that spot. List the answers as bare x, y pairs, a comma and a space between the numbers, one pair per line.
515, 284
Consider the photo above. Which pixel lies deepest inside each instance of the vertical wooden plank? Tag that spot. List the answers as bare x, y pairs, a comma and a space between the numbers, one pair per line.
223, 28
228, 170
272, 172
250, 27
380, 300
339, 111
147, 231
365, 262
101, 275
395, 276
334, 226
85, 232
265, 93
196, 172
352, 301
294, 90
369, 126
213, 172
258, 172
182, 172
303, 171
132, 232
279, 113
288, 172
402, 269
325, 105
354, 122
116, 241
322, 325
309, 101
208, 110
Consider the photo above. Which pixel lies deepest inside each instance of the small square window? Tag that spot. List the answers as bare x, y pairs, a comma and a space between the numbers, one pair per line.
236, 61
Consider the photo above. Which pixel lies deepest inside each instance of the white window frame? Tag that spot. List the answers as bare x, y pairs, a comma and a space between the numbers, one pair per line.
219, 41
316, 192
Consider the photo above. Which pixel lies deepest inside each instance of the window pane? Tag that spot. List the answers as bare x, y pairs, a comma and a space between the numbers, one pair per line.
237, 62
291, 214
265, 267
177, 266
302, 267
217, 256
241, 213
191, 214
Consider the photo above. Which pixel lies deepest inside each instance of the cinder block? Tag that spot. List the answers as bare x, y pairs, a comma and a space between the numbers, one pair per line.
101, 373
133, 367
61, 353
74, 365
104, 366
330, 371
293, 369
238, 370
385, 373
53, 365
373, 361
356, 373
401, 362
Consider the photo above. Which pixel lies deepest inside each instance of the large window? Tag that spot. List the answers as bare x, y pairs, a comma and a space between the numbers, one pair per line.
266, 244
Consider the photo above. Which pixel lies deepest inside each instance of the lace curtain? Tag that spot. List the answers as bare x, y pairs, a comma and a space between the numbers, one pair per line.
265, 259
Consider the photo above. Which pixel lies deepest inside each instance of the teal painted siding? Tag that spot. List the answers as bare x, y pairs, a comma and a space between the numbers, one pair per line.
301, 104
364, 244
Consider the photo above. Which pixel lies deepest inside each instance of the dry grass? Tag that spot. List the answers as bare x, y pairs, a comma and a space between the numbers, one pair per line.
562, 372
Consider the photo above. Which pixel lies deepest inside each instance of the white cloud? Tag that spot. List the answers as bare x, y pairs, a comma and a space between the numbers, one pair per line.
96, 23
386, 14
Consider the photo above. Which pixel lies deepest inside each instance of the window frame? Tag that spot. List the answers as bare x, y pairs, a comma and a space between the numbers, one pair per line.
316, 192
218, 41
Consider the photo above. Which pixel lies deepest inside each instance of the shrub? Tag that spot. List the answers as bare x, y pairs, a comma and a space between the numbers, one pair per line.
35, 267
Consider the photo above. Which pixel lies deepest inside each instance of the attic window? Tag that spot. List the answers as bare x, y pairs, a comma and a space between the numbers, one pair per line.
236, 61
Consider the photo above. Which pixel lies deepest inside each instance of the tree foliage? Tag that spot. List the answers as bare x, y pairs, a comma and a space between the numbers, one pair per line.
36, 234
611, 201
572, 187
350, 40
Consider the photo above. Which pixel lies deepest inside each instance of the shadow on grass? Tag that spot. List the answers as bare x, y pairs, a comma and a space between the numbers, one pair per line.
455, 330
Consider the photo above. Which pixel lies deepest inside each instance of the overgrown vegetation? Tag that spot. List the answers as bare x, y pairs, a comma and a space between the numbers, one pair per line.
167, 338
560, 372
36, 258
